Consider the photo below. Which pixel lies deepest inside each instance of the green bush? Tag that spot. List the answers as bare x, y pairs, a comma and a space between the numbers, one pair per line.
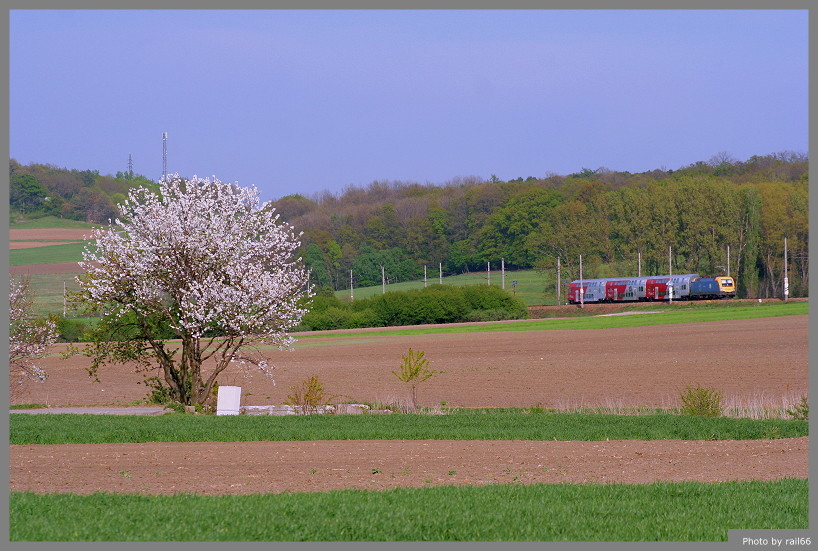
800, 410
71, 330
494, 314
487, 297
705, 402
433, 304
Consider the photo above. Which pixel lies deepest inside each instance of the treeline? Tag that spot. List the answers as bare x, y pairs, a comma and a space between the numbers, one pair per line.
86, 195
612, 219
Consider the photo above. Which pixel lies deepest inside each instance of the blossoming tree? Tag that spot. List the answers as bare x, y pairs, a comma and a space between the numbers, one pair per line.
29, 339
205, 261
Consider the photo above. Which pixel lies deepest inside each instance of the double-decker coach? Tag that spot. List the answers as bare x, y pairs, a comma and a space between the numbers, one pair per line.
619, 290
657, 288
591, 290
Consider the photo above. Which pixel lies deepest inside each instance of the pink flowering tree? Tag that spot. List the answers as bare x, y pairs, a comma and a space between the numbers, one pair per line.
29, 338
204, 263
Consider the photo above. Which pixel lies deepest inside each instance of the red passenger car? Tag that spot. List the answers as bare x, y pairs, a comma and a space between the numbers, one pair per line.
592, 290
619, 290
656, 288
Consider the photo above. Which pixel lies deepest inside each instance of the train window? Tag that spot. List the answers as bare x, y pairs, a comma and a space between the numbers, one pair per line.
726, 283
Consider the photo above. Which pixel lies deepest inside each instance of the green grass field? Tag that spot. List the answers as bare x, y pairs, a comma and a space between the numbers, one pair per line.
458, 425
51, 222
68, 252
48, 292
661, 511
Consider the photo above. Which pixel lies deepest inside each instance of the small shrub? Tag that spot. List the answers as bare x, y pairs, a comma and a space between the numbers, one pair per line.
700, 401
309, 397
414, 370
800, 410
158, 393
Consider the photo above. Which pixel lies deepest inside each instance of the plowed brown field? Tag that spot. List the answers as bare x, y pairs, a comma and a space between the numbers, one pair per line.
647, 366
640, 366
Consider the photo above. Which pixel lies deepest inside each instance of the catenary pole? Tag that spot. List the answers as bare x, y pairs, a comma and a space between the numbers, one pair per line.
670, 269
581, 289
786, 281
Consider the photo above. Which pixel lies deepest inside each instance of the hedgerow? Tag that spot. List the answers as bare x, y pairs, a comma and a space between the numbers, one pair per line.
433, 304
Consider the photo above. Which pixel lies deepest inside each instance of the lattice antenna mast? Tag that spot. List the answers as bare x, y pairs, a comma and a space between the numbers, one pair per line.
164, 155
130, 166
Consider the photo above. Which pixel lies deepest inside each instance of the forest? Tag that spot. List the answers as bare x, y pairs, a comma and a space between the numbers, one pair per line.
711, 216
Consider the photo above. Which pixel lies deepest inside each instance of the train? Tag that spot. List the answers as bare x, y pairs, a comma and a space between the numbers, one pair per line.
651, 288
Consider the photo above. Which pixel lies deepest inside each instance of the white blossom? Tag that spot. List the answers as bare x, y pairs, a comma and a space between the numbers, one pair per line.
207, 256
29, 339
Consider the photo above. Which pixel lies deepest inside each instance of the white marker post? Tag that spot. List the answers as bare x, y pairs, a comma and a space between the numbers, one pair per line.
228, 401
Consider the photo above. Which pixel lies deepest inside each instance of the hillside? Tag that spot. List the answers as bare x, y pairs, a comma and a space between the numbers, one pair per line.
615, 220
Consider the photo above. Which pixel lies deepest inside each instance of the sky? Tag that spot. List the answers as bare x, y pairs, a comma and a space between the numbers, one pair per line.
307, 101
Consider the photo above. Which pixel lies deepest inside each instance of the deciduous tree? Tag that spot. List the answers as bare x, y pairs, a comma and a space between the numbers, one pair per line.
210, 262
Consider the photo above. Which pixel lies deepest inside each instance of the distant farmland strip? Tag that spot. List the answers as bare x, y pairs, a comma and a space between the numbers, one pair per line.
71, 252
31, 244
